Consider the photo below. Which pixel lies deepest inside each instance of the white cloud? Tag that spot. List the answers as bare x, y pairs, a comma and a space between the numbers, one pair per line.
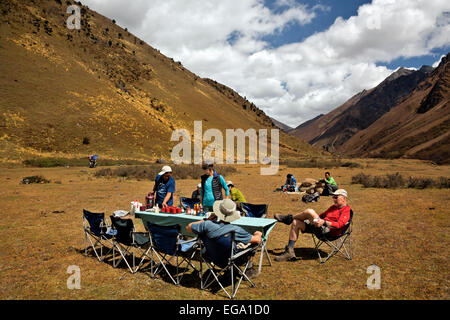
222, 40
436, 63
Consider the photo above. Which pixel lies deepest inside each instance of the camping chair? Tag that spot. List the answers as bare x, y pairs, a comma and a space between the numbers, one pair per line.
220, 256
188, 202
166, 241
257, 211
336, 243
125, 239
95, 231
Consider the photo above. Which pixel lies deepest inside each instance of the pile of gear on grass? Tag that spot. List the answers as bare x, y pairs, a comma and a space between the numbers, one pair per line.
312, 188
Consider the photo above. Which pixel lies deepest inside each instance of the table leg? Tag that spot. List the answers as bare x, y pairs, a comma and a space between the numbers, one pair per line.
261, 257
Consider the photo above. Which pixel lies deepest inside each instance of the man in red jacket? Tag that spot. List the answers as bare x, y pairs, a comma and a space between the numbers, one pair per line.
330, 221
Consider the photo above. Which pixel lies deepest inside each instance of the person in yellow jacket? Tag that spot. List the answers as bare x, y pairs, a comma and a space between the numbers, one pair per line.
236, 194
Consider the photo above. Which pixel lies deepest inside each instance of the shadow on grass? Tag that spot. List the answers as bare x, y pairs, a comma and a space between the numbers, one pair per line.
301, 253
190, 279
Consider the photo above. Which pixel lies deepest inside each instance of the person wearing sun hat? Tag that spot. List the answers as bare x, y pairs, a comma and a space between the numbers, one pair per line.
219, 224
331, 221
164, 187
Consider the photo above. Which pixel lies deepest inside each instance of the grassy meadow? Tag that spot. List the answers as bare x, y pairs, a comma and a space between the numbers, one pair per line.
403, 231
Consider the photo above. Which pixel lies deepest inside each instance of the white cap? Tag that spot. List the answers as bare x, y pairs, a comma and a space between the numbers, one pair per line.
199, 185
229, 182
164, 170
340, 192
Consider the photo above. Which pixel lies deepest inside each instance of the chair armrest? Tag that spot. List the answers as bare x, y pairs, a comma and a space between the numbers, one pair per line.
245, 251
188, 241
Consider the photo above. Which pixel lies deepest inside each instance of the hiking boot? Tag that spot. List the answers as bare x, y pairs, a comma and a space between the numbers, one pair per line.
289, 254
285, 218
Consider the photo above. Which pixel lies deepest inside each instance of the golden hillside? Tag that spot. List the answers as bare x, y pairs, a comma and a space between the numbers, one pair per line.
100, 89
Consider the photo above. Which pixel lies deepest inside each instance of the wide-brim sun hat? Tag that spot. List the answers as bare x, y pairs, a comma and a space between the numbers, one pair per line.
164, 170
225, 210
340, 192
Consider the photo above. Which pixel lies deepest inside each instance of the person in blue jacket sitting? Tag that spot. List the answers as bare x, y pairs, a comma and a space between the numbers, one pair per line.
290, 184
93, 161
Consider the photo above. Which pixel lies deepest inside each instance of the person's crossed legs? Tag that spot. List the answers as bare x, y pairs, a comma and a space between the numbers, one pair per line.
298, 224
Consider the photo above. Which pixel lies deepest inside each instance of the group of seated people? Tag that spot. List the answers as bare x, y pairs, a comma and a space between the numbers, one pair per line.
330, 184
224, 211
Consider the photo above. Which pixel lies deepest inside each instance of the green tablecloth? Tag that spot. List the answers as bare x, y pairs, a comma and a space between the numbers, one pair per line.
168, 219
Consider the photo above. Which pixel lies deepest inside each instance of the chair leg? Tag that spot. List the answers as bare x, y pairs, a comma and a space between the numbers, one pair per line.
163, 265
85, 243
143, 256
317, 244
93, 247
123, 257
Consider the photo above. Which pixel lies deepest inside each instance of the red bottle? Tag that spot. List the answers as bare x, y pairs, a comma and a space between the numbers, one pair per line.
149, 200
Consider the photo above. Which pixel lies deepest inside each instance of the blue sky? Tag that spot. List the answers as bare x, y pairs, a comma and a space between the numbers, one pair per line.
343, 8
294, 59
296, 32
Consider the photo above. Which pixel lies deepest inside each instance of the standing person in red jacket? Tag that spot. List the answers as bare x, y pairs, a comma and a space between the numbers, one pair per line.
330, 221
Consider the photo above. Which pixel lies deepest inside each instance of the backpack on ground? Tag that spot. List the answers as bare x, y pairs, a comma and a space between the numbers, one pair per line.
311, 197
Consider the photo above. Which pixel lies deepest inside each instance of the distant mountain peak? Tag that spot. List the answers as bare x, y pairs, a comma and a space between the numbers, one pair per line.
399, 73
426, 69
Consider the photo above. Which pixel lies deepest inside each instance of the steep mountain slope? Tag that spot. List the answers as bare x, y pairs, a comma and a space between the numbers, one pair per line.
101, 89
281, 125
320, 125
335, 128
418, 127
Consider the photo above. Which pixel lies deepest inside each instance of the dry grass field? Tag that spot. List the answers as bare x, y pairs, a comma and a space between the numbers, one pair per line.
403, 231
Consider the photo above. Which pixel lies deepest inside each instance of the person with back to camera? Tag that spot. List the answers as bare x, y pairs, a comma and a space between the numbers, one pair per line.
219, 223
332, 221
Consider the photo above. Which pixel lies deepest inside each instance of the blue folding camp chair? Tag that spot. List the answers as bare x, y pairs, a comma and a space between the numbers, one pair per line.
166, 241
220, 256
257, 211
336, 243
188, 202
95, 231
254, 210
125, 239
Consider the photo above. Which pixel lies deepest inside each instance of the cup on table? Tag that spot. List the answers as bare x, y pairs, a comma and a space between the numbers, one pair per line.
142, 208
